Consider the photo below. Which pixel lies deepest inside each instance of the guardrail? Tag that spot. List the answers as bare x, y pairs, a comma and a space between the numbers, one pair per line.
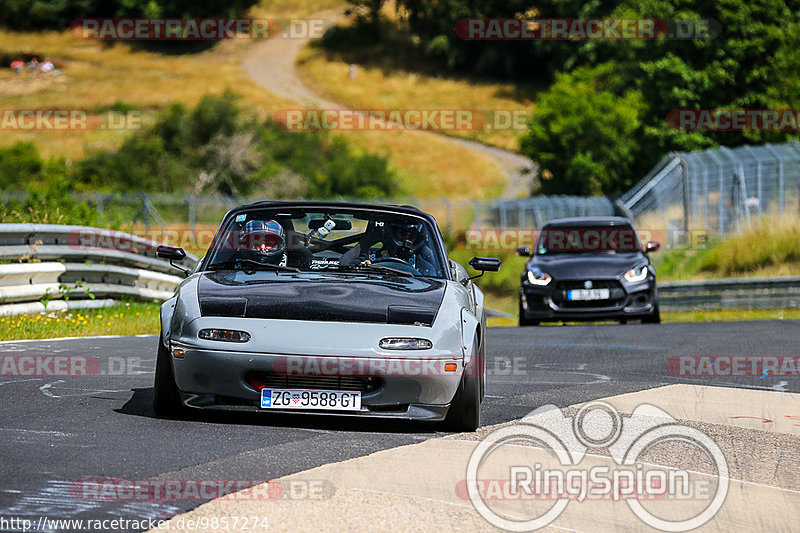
731, 293
54, 267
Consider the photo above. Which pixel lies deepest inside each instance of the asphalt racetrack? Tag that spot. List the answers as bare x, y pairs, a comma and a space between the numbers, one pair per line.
59, 430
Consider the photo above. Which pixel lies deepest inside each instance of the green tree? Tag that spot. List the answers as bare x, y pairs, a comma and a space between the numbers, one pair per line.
583, 133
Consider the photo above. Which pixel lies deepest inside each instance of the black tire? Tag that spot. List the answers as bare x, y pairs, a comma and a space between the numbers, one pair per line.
654, 317
465, 409
166, 400
525, 321
482, 360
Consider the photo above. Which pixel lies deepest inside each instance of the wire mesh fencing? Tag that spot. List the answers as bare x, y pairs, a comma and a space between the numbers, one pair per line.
718, 191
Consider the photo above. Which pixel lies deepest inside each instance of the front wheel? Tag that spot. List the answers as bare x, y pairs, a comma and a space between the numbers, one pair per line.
654, 317
166, 399
525, 321
465, 409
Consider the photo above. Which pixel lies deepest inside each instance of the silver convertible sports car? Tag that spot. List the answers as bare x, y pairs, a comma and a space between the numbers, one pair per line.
328, 309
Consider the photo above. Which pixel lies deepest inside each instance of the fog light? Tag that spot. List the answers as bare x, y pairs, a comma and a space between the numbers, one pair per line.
226, 335
403, 343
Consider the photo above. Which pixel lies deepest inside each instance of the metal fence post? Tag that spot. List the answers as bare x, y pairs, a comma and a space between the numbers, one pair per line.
99, 208
685, 182
190, 198
781, 187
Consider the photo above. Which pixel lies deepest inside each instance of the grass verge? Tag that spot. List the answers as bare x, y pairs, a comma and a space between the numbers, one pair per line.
768, 248
133, 318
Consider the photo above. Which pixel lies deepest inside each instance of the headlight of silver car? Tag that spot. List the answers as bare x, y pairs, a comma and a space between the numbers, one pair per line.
537, 277
405, 343
637, 273
227, 335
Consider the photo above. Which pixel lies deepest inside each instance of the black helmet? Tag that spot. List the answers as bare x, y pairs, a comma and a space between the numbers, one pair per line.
407, 238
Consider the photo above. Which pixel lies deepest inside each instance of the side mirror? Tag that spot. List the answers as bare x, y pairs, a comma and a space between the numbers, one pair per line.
524, 251
173, 253
652, 246
485, 264
482, 264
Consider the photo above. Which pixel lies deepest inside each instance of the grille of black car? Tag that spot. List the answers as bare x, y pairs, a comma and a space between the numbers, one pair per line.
344, 383
581, 284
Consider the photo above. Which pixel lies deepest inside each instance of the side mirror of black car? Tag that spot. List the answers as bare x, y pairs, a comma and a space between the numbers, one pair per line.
173, 253
652, 246
524, 251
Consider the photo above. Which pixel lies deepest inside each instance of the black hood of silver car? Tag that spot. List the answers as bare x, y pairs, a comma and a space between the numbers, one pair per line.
586, 265
322, 296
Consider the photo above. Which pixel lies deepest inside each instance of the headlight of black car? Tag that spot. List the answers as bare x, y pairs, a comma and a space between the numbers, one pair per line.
637, 273
537, 277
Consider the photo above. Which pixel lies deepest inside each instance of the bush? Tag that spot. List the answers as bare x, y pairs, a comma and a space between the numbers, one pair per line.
213, 148
54, 205
19, 165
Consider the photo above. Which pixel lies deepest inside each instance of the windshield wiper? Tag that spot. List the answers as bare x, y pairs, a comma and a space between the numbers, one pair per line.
232, 264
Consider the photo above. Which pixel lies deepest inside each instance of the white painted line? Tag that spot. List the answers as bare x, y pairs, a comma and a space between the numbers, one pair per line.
38, 432
45, 389
19, 381
78, 338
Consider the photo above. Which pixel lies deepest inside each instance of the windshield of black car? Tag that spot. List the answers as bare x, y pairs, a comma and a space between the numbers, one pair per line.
319, 239
583, 239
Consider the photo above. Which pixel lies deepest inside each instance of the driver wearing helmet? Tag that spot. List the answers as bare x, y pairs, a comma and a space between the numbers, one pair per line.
406, 242
265, 242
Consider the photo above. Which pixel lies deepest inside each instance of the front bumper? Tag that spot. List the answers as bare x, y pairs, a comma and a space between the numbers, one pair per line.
627, 300
402, 386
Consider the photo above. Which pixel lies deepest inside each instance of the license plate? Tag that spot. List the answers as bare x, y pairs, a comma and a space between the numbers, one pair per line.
310, 399
588, 294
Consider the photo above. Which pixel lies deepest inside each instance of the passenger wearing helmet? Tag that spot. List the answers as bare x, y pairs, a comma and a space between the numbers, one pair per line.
265, 242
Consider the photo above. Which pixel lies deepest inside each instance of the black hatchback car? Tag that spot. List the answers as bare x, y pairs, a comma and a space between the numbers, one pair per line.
588, 269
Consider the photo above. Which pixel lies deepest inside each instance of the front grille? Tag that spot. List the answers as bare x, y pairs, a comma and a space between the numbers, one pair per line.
616, 293
570, 284
343, 383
